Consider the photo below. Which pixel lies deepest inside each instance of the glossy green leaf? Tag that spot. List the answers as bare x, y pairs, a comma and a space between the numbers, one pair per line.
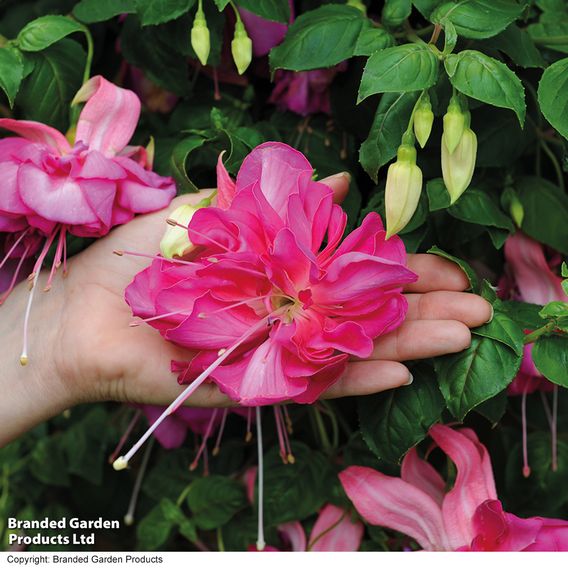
504, 329
395, 12
154, 529
478, 19
551, 34
396, 420
153, 12
494, 408
371, 40
390, 122
518, 45
319, 38
11, 72
494, 82
550, 355
553, 95
477, 374
469, 272
39, 34
178, 161
408, 67
92, 11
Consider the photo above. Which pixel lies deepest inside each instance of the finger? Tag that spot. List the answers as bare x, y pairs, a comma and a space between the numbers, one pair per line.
436, 273
469, 309
368, 377
421, 339
339, 183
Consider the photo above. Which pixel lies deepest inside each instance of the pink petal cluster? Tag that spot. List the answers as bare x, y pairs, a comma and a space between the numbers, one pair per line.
333, 531
530, 277
270, 282
467, 517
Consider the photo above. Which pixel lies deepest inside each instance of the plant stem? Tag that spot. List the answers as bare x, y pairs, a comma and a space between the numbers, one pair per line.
321, 430
545, 329
555, 164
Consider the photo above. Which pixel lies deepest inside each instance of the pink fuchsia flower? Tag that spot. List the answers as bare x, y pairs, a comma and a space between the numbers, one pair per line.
304, 92
52, 188
271, 313
467, 517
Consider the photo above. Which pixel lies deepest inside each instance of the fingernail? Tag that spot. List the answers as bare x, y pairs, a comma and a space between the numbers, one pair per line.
492, 314
410, 380
341, 175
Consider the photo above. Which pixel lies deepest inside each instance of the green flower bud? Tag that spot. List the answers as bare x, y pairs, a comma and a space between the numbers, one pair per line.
402, 192
357, 4
200, 38
423, 121
517, 211
454, 124
241, 48
458, 166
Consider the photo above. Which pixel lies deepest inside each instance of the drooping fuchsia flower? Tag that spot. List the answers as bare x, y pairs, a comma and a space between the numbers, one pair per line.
467, 517
52, 188
530, 277
271, 313
333, 531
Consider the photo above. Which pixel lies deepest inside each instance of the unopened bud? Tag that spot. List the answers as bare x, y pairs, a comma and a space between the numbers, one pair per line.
454, 125
458, 166
176, 242
200, 37
241, 48
423, 121
71, 134
403, 188
517, 211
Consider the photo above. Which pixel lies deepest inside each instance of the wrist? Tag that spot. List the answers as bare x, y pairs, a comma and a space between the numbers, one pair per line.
31, 393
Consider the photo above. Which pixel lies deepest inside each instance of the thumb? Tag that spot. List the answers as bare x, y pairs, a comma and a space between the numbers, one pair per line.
339, 183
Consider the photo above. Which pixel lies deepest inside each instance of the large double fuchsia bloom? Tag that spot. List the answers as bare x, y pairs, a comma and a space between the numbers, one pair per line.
273, 312
51, 188
467, 517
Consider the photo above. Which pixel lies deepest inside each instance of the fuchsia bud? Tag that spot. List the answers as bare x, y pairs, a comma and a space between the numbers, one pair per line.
402, 192
517, 211
241, 48
458, 166
200, 38
454, 124
423, 120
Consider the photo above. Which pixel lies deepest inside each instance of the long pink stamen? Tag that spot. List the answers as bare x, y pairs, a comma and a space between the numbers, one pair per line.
283, 451
174, 223
248, 435
260, 542
554, 429
153, 257
64, 257
129, 517
24, 355
136, 323
122, 461
289, 426
43, 254
203, 445
8, 291
217, 446
14, 246
56, 259
125, 436
526, 468
204, 315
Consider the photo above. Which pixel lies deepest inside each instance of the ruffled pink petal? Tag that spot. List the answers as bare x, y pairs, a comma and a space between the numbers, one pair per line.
335, 531
552, 537
535, 280
109, 117
97, 166
278, 169
171, 432
474, 481
421, 474
348, 337
226, 187
392, 503
10, 199
198, 419
293, 535
37, 132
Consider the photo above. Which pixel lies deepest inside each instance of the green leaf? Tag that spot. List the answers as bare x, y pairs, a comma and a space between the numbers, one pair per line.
46, 93
395, 12
494, 82
546, 211
48, 462
555, 309
274, 10
45, 31
371, 40
221, 4
525, 314
426, 7
319, 38
477, 206
214, 500
11, 72
409, 67
494, 408
469, 272
551, 34
478, 19
154, 529
92, 11
553, 95
504, 329
438, 196
396, 420
178, 160
475, 375
550, 355
390, 122
295, 491
153, 12
518, 45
